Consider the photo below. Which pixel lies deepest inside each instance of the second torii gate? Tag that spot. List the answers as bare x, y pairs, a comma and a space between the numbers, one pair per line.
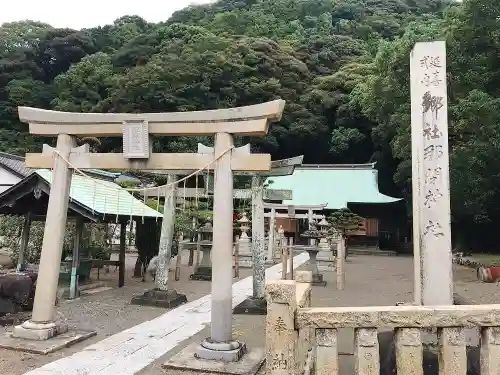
137, 130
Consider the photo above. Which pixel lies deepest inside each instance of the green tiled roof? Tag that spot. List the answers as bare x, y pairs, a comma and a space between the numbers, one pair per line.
103, 197
335, 185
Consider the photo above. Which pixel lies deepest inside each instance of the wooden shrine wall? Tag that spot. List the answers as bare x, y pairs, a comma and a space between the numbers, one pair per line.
289, 225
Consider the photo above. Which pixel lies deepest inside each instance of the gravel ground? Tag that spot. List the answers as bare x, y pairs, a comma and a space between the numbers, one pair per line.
370, 280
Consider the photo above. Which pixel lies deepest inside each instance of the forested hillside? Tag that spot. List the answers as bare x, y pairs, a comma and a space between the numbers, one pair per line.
341, 65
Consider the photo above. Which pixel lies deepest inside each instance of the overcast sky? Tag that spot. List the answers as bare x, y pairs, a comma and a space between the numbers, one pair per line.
89, 13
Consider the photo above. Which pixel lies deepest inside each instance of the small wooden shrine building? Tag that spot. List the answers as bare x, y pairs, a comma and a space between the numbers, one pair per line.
353, 186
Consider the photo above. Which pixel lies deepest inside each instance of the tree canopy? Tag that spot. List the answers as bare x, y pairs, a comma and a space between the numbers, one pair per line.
342, 67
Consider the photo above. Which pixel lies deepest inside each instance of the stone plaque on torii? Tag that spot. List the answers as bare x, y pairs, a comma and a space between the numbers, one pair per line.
137, 130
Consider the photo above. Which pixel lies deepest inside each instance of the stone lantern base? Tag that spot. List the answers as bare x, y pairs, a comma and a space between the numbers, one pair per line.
252, 306
202, 274
160, 298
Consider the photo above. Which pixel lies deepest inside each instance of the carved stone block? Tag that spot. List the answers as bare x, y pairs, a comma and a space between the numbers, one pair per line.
136, 140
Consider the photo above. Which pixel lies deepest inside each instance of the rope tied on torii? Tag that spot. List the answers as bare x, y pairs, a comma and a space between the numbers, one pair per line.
79, 171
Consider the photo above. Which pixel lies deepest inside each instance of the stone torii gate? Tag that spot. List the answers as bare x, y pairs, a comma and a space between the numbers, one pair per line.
137, 130
256, 303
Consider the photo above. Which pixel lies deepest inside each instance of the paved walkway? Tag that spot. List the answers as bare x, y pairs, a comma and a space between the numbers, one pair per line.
130, 351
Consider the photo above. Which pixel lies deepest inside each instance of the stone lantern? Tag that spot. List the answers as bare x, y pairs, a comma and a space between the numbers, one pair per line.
313, 234
244, 241
205, 236
323, 242
244, 226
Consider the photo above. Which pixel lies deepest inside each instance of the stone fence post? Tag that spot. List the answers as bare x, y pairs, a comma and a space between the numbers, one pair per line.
283, 348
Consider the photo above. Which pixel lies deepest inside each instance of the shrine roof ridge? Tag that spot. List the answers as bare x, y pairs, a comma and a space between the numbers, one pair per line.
270, 110
368, 166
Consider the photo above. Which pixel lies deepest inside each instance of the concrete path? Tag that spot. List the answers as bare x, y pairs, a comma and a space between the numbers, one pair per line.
128, 352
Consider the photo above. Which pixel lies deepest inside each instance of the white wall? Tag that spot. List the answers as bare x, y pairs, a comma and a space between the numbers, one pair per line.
7, 179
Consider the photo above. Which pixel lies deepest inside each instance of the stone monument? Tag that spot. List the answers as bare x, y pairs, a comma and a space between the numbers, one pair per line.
430, 171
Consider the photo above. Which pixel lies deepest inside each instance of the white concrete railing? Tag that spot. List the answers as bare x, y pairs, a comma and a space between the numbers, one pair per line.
303, 340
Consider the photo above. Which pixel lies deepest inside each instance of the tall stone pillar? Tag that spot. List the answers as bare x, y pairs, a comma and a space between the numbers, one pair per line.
167, 235
73, 287
220, 345
162, 295
430, 169
42, 325
258, 251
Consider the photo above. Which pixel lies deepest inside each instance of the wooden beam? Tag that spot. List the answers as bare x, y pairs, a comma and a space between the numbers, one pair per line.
249, 120
314, 207
249, 163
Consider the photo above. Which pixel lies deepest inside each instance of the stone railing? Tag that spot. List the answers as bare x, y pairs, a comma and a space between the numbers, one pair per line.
303, 340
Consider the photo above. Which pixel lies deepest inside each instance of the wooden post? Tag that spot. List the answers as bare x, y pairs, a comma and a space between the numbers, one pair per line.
272, 231
198, 252
236, 257
341, 263
121, 258
167, 235
73, 288
177, 274
284, 258
431, 190
24, 242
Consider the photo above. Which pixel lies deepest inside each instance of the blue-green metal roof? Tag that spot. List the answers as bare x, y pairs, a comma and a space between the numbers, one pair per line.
335, 185
103, 197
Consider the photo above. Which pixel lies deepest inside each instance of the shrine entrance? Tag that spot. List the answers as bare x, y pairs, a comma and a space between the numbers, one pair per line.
137, 131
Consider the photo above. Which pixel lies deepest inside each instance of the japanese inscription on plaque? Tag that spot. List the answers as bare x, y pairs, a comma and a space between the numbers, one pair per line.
136, 140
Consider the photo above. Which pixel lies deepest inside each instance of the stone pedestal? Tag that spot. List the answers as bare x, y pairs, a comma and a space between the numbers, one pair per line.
187, 359
326, 259
204, 271
252, 306
160, 298
313, 264
220, 351
244, 253
39, 331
